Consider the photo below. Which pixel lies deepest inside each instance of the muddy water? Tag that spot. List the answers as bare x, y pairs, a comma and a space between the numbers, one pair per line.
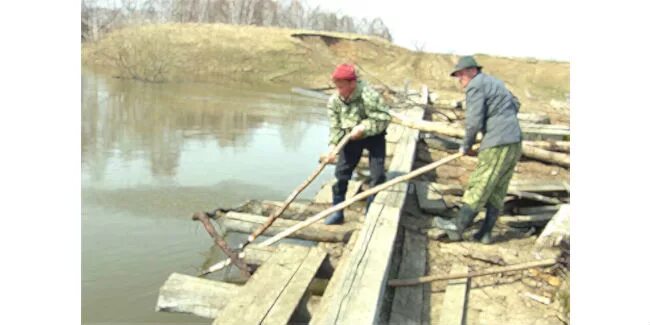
154, 153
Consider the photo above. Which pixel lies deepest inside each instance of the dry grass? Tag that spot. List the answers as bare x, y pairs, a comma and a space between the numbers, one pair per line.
228, 53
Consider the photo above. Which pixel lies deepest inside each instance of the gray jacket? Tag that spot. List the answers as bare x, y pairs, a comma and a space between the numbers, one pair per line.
491, 109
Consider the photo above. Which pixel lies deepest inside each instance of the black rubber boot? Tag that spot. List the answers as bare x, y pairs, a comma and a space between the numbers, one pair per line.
337, 217
339, 189
455, 227
484, 235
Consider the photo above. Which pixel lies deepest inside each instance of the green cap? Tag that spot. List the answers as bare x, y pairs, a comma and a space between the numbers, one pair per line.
464, 63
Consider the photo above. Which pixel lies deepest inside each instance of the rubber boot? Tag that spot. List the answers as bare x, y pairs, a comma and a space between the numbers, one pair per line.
484, 235
339, 189
455, 227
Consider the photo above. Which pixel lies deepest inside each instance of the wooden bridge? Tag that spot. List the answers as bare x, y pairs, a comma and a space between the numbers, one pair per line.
279, 290
296, 284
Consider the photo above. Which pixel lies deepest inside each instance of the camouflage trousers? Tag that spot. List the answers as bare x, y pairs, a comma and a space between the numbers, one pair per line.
489, 182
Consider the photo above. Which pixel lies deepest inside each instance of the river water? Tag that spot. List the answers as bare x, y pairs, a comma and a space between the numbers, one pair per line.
152, 154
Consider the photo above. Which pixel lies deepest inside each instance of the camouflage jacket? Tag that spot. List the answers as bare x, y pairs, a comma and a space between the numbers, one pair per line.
365, 106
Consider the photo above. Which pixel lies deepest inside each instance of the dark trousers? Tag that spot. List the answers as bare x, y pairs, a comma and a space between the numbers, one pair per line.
349, 158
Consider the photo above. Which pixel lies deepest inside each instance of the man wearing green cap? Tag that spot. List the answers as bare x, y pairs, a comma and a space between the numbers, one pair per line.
492, 110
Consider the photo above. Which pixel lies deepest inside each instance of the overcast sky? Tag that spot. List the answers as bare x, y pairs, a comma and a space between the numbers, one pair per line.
499, 27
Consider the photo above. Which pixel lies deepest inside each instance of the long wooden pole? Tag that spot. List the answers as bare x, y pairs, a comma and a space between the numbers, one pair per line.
431, 278
295, 193
342, 205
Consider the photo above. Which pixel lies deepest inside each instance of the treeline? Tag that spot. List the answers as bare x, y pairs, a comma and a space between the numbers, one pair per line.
99, 17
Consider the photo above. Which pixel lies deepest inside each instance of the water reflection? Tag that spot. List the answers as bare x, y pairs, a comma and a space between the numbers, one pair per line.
154, 153
128, 123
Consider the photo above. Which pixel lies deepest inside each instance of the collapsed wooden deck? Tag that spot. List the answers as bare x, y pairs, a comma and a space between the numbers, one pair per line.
277, 291
296, 284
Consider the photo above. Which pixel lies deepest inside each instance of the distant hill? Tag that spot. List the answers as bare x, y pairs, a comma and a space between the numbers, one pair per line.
248, 54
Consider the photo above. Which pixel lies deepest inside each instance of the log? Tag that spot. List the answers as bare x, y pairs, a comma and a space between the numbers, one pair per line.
520, 221
559, 146
556, 158
536, 118
557, 230
245, 223
460, 275
534, 196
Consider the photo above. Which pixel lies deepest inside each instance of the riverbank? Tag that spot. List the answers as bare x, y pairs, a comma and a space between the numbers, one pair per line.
219, 53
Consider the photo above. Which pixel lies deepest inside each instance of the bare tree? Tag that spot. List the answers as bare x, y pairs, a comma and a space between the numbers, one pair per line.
100, 16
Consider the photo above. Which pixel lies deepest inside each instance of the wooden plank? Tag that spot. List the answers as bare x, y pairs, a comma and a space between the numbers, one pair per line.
523, 185
394, 132
188, 294
408, 301
355, 292
453, 306
357, 298
263, 289
288, 301
247, 223
338, 288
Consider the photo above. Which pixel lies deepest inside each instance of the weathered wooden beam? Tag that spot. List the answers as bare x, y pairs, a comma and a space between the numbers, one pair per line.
454, 303
273, 292
408, 302
188, 294
246, 223
288, 301
353, 299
